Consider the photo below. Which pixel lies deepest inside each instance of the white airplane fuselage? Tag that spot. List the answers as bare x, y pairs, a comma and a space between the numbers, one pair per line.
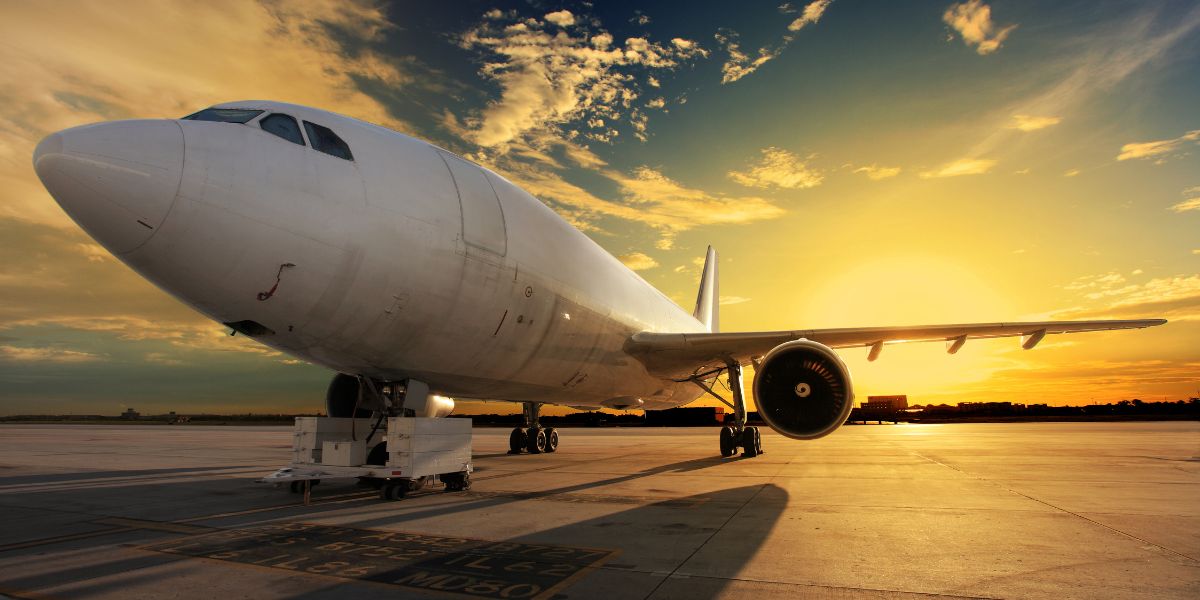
386, 265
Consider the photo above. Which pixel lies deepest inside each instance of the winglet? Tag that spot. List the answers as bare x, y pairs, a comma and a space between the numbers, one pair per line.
708, 298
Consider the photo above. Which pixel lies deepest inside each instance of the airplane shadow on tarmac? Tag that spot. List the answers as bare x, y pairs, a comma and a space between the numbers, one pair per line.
665, 547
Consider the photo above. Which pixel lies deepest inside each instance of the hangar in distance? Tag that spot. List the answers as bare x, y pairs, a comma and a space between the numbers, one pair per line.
418, 276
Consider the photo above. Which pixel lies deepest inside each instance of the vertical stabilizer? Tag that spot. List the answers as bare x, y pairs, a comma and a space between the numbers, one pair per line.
708, 298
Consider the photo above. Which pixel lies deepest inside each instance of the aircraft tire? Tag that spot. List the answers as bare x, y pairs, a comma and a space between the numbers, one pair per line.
728, 442
517, 441
536, 440
751, 444
551, 439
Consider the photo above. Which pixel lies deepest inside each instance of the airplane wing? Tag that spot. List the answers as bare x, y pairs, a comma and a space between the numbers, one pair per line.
682, 355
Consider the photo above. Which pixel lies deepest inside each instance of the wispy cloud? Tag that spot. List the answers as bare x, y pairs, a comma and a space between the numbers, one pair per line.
778, 168
1176, 297
962, 166
876, 172
729, 300
551, 75
741, 63
811, 14
1032, 123
644, 195
973, 21
1187, 205
638, 261
1157, 148
50, 355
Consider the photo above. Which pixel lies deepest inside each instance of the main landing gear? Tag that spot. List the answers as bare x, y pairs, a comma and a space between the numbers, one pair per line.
737, 435
532, 438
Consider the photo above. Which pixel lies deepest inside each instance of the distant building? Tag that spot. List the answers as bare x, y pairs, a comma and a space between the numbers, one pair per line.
886, 403
130, 414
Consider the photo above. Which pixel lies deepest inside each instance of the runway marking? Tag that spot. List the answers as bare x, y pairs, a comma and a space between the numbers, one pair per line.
153, 525
473, 567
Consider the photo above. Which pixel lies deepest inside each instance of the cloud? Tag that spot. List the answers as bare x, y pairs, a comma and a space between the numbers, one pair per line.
778, 168
638, 261
812, 13
1030, 123
1187, 205
1158, 147
1119, 49
739, 64
1176, 297
549, 79
1071, 172
875, 172
728, 300
44, 355
973, 21
200, 57
561, 18
644, 195
962, 166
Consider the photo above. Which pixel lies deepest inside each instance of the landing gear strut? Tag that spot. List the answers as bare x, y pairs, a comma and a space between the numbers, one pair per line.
531, 437
737, 435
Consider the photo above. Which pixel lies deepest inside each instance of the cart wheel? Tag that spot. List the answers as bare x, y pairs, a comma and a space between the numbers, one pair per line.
464, 481
393, 490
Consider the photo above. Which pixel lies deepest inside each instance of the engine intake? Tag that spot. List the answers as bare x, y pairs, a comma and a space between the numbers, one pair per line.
802, 390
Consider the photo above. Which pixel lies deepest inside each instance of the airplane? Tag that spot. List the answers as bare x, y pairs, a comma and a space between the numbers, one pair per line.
420, 276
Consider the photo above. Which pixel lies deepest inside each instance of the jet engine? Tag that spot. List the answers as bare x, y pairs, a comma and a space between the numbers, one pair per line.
802, 390
343, 395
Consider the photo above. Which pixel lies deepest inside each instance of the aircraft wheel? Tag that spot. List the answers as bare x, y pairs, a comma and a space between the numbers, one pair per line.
728, 442
517, 441
536, 440
551, 439
297, 487
751, 443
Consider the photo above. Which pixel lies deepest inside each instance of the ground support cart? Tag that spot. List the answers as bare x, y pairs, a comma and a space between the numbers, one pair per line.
397, 455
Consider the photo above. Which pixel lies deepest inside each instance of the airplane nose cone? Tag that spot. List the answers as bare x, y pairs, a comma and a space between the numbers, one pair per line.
118, 180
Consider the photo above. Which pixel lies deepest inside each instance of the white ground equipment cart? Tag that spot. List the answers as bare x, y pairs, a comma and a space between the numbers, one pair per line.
397, 454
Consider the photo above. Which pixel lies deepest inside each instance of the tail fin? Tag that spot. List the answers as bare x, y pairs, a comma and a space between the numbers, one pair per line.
708, 298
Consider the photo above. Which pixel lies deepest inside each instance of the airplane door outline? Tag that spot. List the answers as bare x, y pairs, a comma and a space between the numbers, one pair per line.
483, 225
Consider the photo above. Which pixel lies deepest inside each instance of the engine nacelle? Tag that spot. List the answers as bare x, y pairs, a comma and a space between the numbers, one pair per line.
343, 395
802, 390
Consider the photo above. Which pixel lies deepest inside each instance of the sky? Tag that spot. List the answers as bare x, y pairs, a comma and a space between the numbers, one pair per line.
855, 163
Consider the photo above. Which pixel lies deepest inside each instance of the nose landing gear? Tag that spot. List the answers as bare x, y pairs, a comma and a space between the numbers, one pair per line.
532, 438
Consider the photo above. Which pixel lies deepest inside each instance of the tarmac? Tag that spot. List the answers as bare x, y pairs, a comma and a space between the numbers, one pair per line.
1013, 510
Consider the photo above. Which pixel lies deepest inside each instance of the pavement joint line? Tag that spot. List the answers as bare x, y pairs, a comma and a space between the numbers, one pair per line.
1061, 509
706, 541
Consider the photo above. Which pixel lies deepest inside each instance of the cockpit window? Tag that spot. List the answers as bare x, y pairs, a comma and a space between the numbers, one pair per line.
282, 126
224, 115
325, 140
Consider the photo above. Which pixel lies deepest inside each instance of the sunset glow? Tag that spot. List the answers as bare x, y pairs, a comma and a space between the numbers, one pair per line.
855, 163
